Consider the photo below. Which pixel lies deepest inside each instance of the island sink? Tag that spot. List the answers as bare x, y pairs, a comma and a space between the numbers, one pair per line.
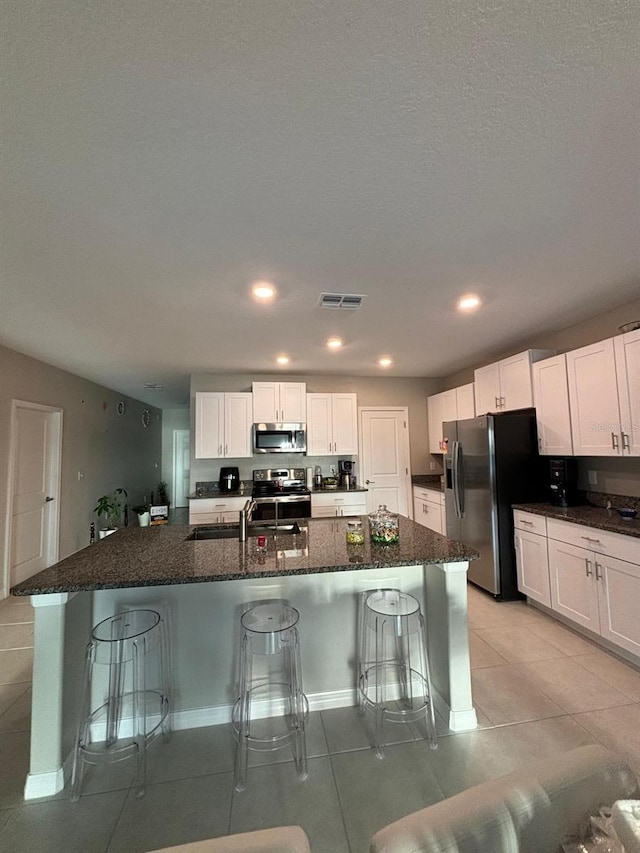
233, 531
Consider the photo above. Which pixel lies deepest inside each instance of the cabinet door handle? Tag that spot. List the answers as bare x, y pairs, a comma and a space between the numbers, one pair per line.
503, 403
614, 441
226, 449
626, 444
588, 567
497, 402
219, 450
598, 571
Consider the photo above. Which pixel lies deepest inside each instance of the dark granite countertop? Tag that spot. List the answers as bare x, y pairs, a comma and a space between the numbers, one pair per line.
155, 556
338, 489
588, 516
428, 481
218, 495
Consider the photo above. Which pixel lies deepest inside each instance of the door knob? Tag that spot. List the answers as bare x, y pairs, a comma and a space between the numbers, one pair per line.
49, 499
372, 482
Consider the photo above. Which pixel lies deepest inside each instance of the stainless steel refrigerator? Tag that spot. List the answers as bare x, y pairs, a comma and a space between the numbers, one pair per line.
491, 463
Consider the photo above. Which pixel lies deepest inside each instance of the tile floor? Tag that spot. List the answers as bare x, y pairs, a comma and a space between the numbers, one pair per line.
539, 688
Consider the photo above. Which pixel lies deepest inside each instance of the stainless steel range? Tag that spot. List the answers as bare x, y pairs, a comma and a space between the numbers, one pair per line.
280, 493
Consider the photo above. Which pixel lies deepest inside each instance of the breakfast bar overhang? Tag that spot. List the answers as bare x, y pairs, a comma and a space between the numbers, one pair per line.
315, 570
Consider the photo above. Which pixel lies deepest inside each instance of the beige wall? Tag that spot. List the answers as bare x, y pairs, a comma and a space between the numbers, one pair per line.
371, 391
113, 451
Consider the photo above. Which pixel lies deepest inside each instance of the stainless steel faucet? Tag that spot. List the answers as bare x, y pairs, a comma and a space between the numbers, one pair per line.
245, 518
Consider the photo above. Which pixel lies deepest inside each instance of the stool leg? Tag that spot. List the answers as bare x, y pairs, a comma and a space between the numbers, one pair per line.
83, 726
165, 680
361, 654
378, 669
430, 715
300, 743
139, 695
244, 709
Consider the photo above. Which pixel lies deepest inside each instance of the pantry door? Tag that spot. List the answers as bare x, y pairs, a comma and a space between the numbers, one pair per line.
34, 510
384, 458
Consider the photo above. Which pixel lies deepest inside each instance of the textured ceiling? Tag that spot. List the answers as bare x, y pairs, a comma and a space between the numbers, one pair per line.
159, 156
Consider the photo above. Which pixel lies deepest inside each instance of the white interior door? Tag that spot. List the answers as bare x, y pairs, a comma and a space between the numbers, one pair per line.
384, 458
181, 466
36, 449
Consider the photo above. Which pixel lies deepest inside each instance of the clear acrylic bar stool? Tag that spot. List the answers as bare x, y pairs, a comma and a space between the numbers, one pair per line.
394, 680
132, 645
271, 710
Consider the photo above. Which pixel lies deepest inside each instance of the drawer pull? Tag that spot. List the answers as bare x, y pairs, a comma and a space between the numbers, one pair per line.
591, 539
524, 521
588, 567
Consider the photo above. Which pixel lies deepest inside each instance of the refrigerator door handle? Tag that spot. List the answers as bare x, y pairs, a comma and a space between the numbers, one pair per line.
457, 491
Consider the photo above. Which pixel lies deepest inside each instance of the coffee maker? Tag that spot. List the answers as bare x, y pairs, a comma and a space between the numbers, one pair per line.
345, 471
229, 479
563, 482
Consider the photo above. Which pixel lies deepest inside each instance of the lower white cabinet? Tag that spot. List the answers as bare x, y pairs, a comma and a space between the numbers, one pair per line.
532, 561
595, 581
341, 503
428, 509
215, 510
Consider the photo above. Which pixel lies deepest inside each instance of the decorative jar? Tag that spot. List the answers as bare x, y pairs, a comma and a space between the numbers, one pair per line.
355, 533
384, 526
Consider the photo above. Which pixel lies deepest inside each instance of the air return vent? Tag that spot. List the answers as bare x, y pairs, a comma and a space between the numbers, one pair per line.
350, 301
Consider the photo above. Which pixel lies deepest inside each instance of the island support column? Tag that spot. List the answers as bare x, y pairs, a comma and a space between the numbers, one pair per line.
62, 622
446, 612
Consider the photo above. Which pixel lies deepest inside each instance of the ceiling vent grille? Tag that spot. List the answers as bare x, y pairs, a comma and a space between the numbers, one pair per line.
349, 301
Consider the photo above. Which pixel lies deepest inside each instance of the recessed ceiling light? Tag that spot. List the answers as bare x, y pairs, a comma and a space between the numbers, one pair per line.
263, 290
283, 359
385, 361
469, 302
334, 343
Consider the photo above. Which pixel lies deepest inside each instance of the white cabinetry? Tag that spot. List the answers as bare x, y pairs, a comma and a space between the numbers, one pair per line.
532, 561
507, 384
604, 394
453, 405
340, 503
332, 424
551, 399
222, 425
279, 402
595, 581
215, 510
428, 509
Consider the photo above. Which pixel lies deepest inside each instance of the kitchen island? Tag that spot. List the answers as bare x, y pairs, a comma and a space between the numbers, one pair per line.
315, 570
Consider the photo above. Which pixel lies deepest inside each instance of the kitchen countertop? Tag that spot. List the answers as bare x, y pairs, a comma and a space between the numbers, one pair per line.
588, 516
428, 481
155, 556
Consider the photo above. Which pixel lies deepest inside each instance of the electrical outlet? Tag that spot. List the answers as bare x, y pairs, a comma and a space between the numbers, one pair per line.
593, 478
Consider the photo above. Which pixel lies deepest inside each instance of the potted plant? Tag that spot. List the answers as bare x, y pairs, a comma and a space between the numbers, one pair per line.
163, 495
143, 512
111, 508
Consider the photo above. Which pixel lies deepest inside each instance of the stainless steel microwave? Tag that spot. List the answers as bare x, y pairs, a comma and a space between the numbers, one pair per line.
279, 438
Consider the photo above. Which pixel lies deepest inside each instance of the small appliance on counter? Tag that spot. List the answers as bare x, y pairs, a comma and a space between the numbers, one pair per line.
317, 478
229, 479
345, 476
563, 482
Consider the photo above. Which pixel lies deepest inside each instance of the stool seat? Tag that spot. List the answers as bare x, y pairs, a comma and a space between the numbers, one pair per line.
271, 709
394, 680
137, 699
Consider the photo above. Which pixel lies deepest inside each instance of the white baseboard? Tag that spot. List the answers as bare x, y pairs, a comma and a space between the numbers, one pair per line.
43, 784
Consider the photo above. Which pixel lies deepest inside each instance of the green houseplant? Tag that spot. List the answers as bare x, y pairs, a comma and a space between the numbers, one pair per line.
110, 506
143, 512
162, 495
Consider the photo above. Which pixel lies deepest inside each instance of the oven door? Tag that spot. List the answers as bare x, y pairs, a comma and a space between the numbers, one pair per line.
282, 507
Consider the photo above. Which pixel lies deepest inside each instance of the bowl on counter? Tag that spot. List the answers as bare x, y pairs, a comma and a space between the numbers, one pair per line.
330, 483
627, 513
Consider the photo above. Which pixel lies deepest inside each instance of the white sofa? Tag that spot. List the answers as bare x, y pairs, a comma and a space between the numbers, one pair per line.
529, 811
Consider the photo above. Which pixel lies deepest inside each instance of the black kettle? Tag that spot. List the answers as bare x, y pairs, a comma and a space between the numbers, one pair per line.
229, 479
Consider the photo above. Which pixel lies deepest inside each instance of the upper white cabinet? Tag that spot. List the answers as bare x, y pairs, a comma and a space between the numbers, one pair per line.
332, 424
604, 396
456, 404
507, 384
551, 399
222, 425
279, 402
